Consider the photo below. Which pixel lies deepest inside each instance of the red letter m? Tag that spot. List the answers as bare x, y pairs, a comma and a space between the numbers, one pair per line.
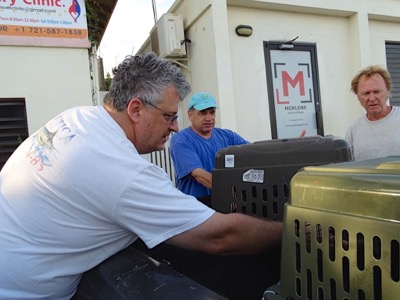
286, 79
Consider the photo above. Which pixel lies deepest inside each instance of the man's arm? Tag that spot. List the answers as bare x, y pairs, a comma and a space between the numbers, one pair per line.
232, 233
203, 177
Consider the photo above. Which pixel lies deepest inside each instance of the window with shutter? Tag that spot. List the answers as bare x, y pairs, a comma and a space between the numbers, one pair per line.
13, 126
393, 66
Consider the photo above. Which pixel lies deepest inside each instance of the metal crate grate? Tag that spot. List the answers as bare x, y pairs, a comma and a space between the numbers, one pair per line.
259, 200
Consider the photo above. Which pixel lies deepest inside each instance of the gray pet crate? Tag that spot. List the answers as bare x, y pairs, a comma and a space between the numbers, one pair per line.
254, 178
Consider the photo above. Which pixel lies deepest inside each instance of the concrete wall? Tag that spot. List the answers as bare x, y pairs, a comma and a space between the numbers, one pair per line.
50, 79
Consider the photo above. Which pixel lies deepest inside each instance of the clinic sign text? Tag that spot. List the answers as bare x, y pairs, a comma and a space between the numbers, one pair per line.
43, 23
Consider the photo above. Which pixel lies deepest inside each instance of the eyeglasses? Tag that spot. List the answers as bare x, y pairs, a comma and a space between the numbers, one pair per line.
171, 117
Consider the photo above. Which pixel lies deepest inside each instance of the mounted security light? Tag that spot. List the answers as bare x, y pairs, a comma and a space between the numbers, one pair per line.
288, 45
244, 30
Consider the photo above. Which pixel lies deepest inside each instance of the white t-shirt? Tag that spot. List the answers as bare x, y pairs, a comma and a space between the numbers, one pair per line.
374, 139
75, 193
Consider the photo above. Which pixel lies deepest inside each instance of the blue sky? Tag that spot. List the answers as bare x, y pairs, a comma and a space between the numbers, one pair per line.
128, 29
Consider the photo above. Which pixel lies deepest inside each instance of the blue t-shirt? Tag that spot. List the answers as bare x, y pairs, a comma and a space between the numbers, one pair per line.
190, 151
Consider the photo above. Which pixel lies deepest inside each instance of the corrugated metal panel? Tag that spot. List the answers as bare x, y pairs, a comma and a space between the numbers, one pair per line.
393, 65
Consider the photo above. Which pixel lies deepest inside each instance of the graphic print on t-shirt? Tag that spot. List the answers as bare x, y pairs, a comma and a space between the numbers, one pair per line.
44, 143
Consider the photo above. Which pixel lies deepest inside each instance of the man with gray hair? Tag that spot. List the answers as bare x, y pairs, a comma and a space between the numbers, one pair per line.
77, 191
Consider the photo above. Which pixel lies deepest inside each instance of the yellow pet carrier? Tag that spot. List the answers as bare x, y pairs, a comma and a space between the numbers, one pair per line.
341, 237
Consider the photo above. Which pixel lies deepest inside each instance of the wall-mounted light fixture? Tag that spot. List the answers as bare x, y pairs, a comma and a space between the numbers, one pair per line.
244, 30
288, 45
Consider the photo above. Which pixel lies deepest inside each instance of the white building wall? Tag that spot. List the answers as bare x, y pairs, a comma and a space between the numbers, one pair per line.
349, 35
249, 67
50, 79
380, 32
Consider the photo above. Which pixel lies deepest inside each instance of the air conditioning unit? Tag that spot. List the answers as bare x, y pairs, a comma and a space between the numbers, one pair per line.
167, 37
